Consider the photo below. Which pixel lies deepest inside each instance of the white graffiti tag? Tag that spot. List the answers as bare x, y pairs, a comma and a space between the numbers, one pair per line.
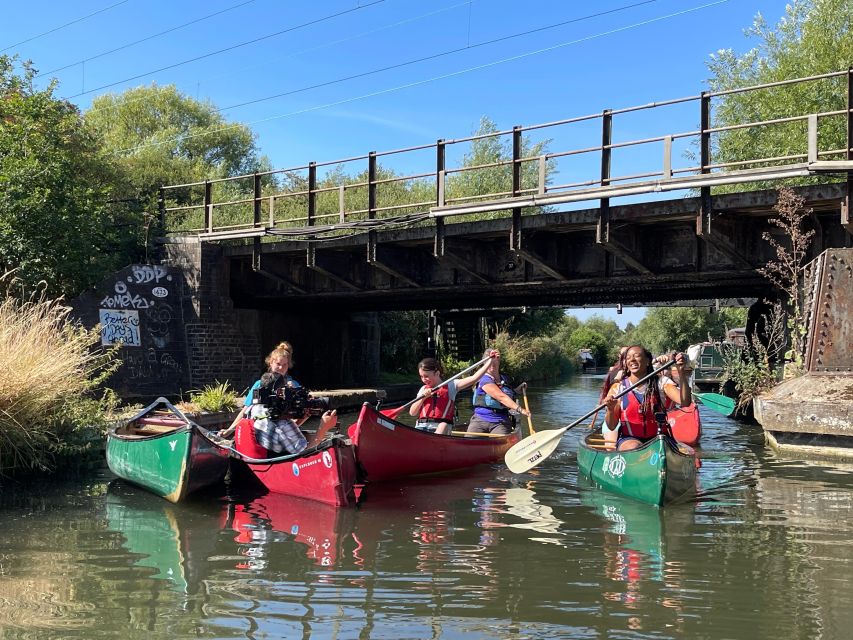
145, 273
125, 300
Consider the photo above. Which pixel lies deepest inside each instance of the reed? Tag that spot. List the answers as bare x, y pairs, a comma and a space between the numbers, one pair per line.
48, 369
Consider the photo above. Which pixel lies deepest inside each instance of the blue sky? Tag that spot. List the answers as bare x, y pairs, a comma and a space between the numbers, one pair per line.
572, 63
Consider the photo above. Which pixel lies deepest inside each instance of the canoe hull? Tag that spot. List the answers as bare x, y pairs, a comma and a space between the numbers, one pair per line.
171, 464
657, 473
388, 449
686, 424
324, 474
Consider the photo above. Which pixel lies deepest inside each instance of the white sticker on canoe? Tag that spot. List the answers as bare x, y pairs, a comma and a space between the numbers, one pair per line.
385, 423
616, 467
327, 459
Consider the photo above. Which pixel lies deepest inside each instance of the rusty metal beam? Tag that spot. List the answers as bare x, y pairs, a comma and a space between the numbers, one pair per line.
323, 267
385, 259
540, 264
459, 263
725, 247
625, 255
259, 267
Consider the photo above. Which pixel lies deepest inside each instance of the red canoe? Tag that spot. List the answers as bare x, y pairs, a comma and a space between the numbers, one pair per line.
325, 473
388, 449
685, 424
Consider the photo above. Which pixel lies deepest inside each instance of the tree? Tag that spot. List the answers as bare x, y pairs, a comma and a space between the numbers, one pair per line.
536, 322
814, 37
57, 222
489, 150
586, 338
159, 136
675, 328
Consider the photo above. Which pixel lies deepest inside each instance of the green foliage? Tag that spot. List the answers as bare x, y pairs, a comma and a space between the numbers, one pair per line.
57, 224
530, 358
49, 369
536, 322
158, 136
214, 398
753, 369
786, 271
675, 328
814, 37
402, 339
587, 338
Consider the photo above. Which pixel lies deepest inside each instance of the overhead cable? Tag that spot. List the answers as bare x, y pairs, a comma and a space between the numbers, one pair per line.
425, 81
62, 26
231, 48
147, 38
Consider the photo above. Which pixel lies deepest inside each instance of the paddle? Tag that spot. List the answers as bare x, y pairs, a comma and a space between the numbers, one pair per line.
393, 413
527, 409
526, 454
717, 401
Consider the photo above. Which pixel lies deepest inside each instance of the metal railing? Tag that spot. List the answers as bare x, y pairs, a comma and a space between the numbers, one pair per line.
226, 208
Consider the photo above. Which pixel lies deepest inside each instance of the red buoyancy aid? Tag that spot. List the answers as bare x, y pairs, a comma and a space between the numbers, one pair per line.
439, 406
632, 422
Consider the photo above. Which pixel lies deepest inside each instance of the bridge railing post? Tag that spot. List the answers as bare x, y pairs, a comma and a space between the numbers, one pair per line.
312, 194
515, 233
440, 167
371, 185
256, 201
208, 206
602, 231
703, 220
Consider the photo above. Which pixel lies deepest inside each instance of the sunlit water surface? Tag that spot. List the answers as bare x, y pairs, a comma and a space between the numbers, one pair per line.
764, 551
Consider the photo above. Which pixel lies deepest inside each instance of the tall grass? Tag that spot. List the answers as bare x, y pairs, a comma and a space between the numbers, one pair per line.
48, 369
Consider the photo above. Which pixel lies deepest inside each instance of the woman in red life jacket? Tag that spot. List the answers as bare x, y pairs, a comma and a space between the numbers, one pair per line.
630, 420
436, 410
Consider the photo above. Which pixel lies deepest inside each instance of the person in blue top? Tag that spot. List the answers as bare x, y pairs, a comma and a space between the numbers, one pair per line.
278, 362
495, 400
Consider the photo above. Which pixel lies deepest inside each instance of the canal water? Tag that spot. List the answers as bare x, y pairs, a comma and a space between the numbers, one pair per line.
764, 551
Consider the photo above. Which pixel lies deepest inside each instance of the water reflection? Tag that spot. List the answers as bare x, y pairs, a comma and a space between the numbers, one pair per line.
273, 518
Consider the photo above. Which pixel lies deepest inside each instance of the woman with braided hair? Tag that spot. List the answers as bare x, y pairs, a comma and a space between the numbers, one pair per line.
630, 420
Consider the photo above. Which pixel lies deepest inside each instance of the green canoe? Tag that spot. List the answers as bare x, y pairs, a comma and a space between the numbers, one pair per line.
658, 472
162, 450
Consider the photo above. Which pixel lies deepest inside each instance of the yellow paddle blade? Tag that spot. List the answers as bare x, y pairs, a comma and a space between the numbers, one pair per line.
526, 454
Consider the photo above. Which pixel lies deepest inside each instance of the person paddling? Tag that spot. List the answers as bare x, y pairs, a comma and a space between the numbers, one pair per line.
630, 420
494, 399
436, 410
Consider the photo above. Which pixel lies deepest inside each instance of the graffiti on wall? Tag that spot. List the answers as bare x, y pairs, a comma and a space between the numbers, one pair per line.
119, 327
140, 309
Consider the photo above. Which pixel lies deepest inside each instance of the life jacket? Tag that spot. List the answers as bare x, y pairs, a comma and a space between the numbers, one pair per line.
483, 399
632, 422
439, 406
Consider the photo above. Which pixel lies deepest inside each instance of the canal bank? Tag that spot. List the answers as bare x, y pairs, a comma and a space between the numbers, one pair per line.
812, 415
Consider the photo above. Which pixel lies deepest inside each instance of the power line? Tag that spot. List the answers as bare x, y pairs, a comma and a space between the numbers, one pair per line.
427, 80
147, 38
231, 48
67, 24
310, 49
437, 55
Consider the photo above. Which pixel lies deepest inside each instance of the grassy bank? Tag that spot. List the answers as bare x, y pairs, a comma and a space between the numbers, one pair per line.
49, 368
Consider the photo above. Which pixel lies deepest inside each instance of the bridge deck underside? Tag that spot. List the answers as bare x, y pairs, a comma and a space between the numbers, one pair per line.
650, 253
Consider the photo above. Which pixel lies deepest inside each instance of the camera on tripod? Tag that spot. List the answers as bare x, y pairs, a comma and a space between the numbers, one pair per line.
284, 401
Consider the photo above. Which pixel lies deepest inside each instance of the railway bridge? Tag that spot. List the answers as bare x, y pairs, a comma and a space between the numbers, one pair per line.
578, 212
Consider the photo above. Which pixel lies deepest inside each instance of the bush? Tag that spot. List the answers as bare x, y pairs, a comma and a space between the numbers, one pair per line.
214, 398
48, 372
526, 358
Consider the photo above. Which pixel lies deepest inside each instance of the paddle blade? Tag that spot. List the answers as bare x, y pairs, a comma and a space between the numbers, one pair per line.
526, 454
717, 402
392, 413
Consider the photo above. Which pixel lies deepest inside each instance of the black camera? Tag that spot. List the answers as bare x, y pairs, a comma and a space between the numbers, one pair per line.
289, 402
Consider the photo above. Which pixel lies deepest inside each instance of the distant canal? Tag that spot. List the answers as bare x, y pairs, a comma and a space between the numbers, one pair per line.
763, 552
